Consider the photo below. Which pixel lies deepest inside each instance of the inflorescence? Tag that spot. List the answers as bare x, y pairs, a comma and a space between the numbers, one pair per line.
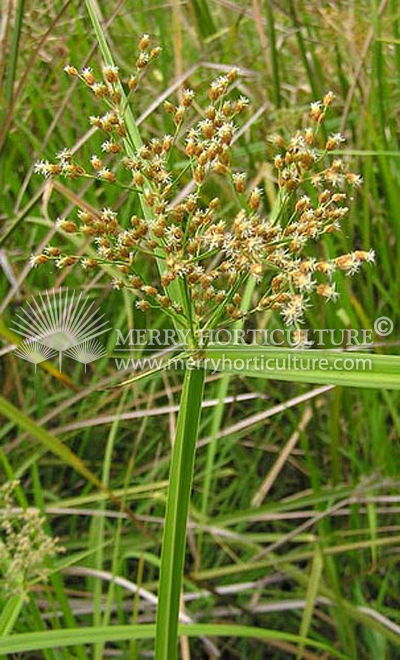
203, 258
25, 547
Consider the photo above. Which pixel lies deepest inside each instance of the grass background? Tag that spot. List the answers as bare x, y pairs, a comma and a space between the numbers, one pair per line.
294, 520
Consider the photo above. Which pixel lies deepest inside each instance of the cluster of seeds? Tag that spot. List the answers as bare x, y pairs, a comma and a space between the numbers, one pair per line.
24, 545
203, 257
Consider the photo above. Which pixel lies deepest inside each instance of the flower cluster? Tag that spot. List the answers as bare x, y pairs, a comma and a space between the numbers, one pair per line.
24, 545
202, 256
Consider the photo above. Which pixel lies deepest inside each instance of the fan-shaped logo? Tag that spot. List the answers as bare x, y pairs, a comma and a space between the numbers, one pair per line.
64, 324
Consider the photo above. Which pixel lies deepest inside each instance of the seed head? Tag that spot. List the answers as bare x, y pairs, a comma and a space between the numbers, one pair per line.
110, 74
68, 226
143, 305
96, 162
38, 259
213, 250
255, 199
144, 42
316, 111
132, 83
334, 141
107, 175
101, 90
71, 70
142, 61
328, 291
87, 76
187, 97
328, 99
111, 147
154, 53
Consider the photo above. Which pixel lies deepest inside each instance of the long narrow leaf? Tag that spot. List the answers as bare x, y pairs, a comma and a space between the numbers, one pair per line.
19, 643
10, 613
312, 593
306, 366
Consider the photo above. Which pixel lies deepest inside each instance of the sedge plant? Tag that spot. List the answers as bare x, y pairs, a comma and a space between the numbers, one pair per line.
198, 259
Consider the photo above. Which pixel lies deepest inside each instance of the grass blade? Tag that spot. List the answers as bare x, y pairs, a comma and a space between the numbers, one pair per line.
269, 12
11, 69
204, 18
52, 638
312, 593
13, 56
10, 613
307, 366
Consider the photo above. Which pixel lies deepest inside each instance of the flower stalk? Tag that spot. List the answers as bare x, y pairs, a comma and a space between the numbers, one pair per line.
175, 524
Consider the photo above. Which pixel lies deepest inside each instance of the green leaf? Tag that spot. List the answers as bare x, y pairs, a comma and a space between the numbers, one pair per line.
32, 641
312, 593
204, 18
10, 612
306, 366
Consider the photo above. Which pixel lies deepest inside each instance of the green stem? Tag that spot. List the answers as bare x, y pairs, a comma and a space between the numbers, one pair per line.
269, 13
134, 136
174, 539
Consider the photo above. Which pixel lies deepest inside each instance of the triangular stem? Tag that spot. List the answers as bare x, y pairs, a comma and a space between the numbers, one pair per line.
178, 498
